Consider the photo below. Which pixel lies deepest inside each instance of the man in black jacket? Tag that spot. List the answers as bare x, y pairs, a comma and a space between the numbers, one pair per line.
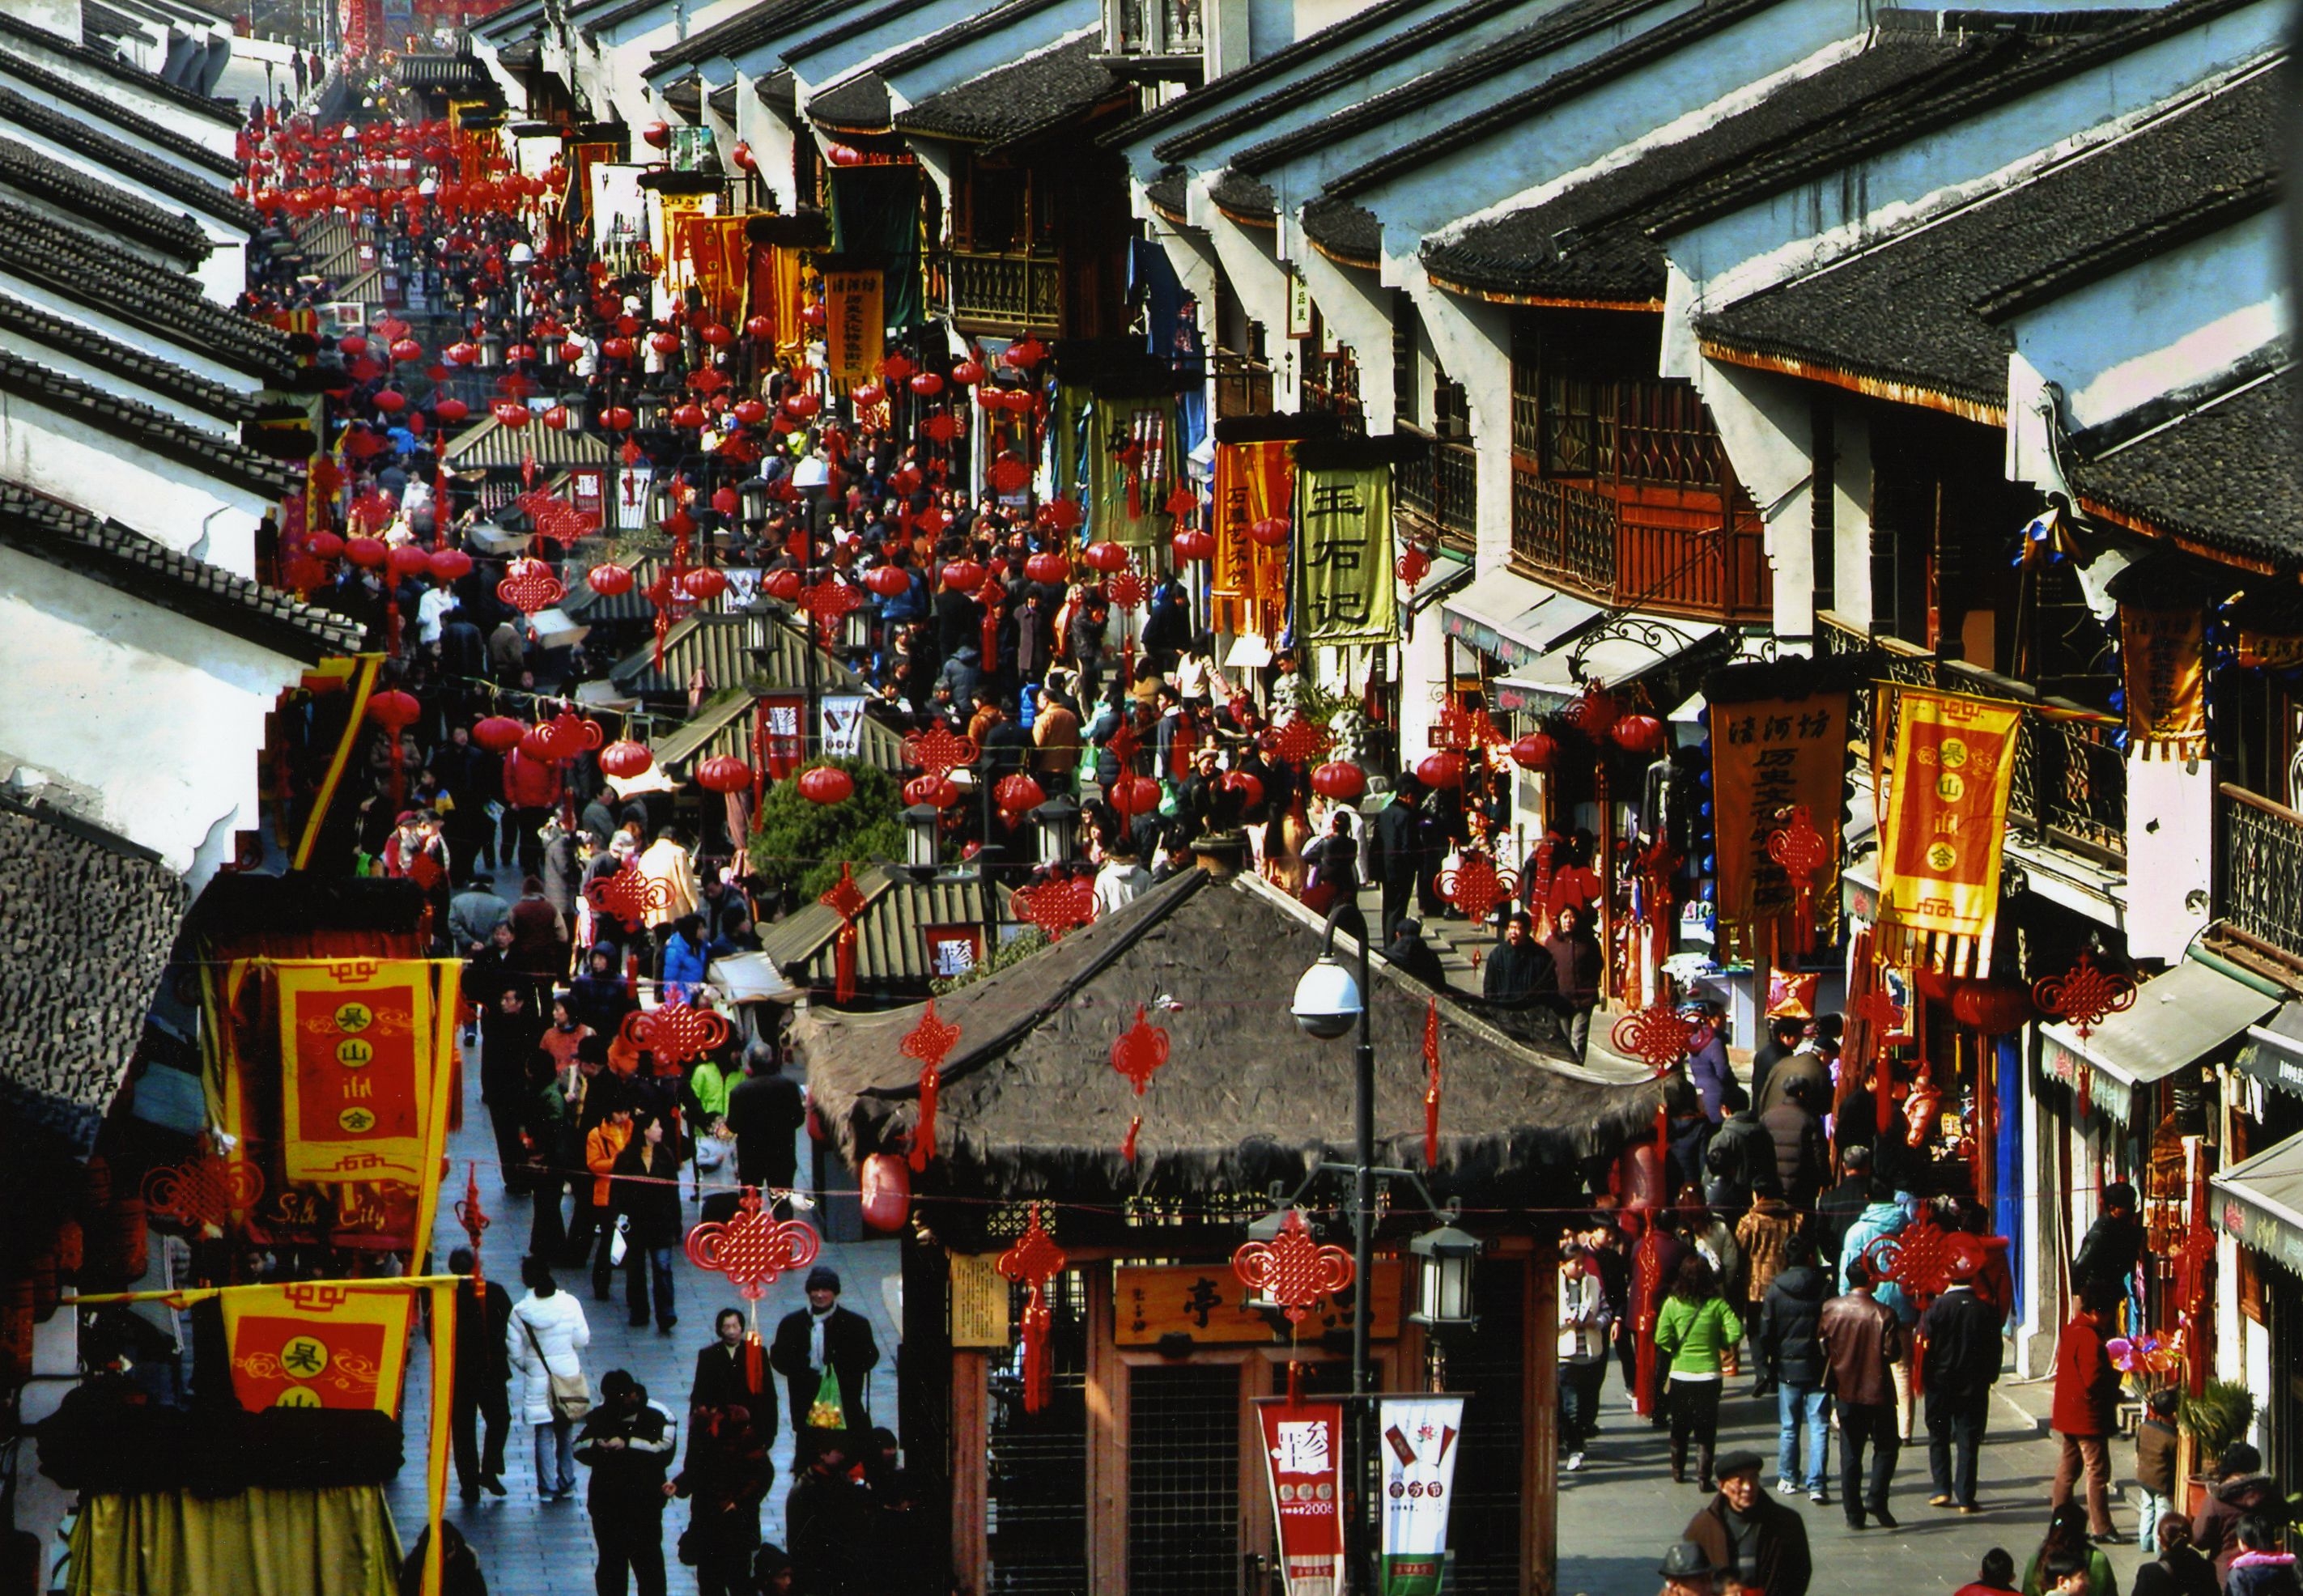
1396, 858
628, 1445
765, 1112
1759, 1544
1519, 972
1958, 1367
724, 1376
482, 1369
2108, 1251
825, 1337
1836, 1210
1410, 953
1791, 1355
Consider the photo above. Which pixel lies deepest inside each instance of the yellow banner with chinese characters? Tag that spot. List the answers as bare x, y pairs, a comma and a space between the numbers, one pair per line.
2164, 659
855, 325
1254, 482
721, 256
365, 1057
1944, 828
317, 1344
1343, 520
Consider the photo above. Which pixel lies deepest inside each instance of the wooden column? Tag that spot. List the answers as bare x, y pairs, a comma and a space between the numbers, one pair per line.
971, 1421
1539, 1552
1107, 1442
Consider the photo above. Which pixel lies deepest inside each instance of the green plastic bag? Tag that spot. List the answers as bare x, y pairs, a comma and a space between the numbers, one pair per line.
828, 1411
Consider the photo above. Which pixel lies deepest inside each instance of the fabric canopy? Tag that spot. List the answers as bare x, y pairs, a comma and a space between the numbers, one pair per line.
324, 1540
2274, 1053
1639, 646
2263, 1205
2178, 1019
1512, 618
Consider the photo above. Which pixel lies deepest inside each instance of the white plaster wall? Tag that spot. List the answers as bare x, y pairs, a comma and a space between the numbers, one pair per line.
218, 231
2171, 826
205, 130
915, 22
772, 139
36, 291
2164, 325
1850, 516
1353, 301
1787, 234
1765, 422
1472, 342
1060, 24
152, 721
1258, 281
107, 476
71, 365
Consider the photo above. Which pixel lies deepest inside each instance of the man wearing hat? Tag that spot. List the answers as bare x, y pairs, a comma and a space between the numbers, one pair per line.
811, 1343
1687, 1571
1959, 1364
1751, 1542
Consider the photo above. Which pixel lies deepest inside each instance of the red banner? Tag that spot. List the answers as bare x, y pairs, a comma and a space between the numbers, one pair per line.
317, 1345
781, 739
1304, 1464
1769, 756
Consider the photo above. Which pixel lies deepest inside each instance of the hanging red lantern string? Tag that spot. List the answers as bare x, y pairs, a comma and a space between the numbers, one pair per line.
1034, 1260
844, 898
1801, 851
395, 711
1431, 1085
929, 1042
1138, 1053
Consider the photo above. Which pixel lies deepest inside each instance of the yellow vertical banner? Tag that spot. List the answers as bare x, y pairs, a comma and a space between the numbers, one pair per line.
855, 323
1944, 828
1254, 482
435, 1456
1343, 518
2164, 666
359, 1045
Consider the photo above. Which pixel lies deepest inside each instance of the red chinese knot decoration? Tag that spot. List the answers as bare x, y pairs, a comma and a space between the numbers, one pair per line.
1475, 886
201, 1192
1801, 850
628, 895
830, 602
675, 1032
1658, 1035
1925, 1260
1055, 906
1138, 1053
754, 1250
530, 586
929, 1042
1034, 1260
938, 751
2084, 995
1291, 1269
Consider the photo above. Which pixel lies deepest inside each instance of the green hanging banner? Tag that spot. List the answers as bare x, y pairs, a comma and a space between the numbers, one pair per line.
1132, 469
1344, 558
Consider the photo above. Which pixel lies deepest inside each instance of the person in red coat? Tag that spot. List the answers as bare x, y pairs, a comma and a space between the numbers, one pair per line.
2084, 1416
531, 788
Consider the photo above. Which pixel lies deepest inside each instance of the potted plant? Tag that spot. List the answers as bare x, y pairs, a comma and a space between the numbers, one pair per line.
2212, 1420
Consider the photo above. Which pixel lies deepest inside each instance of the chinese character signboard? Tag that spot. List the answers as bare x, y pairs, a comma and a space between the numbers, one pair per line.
317, 1345
1303, 1465
1208, 1305
841, 734
1770, 755
2163, 660
1943, 829
854, 326
1254, 483
1418, 1453
952, 951
979, 1301
632, 496
780, 746
1343, 520
362, 1052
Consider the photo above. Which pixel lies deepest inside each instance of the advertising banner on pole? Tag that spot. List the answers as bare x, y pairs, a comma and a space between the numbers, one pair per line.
1303, 1465
1945, 829
1418, 1451
856, 327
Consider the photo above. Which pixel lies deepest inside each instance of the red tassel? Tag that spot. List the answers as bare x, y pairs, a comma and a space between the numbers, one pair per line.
756, 1364
843, 964
1432, 1085
923, 1142
662, 631
1036, 1359
1128, 1147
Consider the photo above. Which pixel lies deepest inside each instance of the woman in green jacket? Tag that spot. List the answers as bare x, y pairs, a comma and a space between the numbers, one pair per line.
1695, 1334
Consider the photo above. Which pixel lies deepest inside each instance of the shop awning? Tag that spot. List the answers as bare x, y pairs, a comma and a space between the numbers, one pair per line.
2178, 1019
1515, 620
2274, 1053
1636, 646
2262, 1203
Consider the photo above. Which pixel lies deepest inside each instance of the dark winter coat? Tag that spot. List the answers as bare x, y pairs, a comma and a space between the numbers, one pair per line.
1789, 1316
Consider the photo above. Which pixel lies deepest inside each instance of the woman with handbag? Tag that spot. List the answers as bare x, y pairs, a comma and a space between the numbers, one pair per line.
546, 1332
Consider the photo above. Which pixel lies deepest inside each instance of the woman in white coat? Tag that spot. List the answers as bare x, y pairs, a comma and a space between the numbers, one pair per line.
546, 1332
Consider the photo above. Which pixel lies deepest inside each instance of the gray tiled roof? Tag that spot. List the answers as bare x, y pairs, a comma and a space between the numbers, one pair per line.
108, 280
2228, 474
141, 424
127, 559
1342, 228
1909, 310
40, 177
24, 326
88, 925
1588, 241
489, 444
859, 104
118, 71
889, 950
747, 29
1018, 100
211, 197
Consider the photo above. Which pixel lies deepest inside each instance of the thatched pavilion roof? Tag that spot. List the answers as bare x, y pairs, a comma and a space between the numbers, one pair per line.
1030, 1104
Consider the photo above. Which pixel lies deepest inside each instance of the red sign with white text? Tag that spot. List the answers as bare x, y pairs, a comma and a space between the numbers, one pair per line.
1304, 1464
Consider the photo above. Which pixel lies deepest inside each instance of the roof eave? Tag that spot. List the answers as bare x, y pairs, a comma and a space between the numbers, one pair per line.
1814, 368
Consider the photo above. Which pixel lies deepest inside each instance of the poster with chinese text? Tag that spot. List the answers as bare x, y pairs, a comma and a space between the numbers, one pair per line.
1417, 1447
854, 326
362, 1054
1768, 756
1303, 1466
1342, 521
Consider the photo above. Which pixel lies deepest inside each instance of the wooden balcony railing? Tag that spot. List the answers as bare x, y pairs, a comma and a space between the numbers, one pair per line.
1668, 553
2070, 788
2259, 881
1243, 384
1439, 494
1024, 292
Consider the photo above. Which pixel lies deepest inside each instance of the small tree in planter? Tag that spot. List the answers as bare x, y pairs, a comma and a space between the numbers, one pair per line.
2210, 1421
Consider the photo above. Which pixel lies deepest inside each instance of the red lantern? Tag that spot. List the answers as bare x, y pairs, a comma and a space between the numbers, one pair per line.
510, 413
394, 709
556, 418
744, 159
1247, 785
450, 409
1593, 712
499, 733
609, 579
1339, 781
705, 585
805, 404
1639, 733
890, 582
1134, 795
1443, 770
1048, 569
688, 417
750, 412
968, 374
616, 348
1994, 1008
1018, 795
366, 551
783, 586
716, 334
406, 351
844, 154
617, 418
760, 328
658, 134
1271, 531
723, 773
625, 760
462, 352
391, 400
570, 352
1535, 752
963, 575
887, 1193
407, 559
1105, 557
450, 565
826, 784
1194, 545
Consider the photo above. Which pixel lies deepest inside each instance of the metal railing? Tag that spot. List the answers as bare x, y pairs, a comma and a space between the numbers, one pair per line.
2261, 875
1010, 290
1161, 28
2070, 787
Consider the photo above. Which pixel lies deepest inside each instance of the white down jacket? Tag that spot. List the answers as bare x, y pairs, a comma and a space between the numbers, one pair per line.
560, 1333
